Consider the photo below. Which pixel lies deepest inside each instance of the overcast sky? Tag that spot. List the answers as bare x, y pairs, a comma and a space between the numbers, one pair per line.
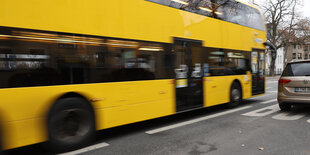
305, 10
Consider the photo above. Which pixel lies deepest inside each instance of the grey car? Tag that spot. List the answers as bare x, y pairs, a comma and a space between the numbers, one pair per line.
294, 85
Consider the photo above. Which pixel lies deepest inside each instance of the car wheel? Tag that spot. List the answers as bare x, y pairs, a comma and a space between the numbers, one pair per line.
285, 106
235, 95
70, 124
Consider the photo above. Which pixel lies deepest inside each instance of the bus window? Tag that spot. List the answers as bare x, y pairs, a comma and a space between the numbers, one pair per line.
228, 62
227, 10
68, 60
237, 61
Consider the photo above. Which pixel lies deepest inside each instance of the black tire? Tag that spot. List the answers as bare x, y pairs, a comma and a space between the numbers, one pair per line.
70, 124
235, 95
285, 106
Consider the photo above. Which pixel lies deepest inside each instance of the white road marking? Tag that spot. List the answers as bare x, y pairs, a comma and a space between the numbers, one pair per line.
263, 111
264, 96
86, 149
269, 87
308, 120
272, 82
195, 120
269, 101
288, 116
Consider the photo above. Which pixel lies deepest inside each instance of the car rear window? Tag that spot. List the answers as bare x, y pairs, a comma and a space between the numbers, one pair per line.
297, 69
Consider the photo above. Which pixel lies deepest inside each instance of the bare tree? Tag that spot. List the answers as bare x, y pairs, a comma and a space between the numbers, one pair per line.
281, 17
302, 30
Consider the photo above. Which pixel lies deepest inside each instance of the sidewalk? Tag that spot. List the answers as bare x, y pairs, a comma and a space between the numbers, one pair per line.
272, 78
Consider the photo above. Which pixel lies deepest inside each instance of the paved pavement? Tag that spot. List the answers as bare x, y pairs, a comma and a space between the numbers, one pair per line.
272, 78
257, 126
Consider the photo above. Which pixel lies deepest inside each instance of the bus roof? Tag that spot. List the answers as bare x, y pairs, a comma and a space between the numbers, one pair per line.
250, 5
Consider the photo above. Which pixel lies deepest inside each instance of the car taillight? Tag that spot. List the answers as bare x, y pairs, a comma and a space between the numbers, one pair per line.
284, 81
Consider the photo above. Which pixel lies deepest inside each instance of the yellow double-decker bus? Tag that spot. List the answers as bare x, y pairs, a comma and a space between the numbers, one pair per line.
71, 67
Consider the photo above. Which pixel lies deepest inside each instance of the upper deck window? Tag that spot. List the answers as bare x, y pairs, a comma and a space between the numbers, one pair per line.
227, 10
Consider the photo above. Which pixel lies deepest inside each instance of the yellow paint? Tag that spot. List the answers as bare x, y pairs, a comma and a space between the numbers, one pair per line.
23, 132
181, 83
132, 19
23, 119
217, 89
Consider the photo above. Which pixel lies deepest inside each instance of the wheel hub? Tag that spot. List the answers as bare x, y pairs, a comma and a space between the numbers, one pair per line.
235, 95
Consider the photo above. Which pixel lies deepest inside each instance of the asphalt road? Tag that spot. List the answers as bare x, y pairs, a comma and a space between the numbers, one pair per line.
255, 127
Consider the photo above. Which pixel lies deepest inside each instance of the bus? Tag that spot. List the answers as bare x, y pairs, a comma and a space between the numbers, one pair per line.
71, 67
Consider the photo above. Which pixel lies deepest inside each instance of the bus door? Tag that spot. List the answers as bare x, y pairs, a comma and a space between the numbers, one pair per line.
188, 74
258, 72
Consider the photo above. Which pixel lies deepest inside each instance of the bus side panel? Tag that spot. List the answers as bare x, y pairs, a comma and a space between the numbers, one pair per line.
232, 37
116, 116
107, 95
247, 86
24, 132
120, 103
131, 19
22, 114
151, 99
253, 38
217, 89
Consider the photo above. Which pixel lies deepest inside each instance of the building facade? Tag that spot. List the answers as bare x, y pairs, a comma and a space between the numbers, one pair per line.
298, 52
295, 52
279, 63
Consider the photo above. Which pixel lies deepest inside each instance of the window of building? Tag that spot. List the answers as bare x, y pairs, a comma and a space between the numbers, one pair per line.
306, 56
299, 55
294, 56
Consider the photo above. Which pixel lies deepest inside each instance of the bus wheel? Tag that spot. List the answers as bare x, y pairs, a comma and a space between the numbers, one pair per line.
70, 124
235, 95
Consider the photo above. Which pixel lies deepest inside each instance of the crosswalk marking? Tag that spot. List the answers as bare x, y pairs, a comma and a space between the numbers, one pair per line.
288, 116
269, 101
267, 95
263, 111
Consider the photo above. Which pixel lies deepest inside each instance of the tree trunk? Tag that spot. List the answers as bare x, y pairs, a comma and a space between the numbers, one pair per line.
285, 54
272, 66
273, 61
